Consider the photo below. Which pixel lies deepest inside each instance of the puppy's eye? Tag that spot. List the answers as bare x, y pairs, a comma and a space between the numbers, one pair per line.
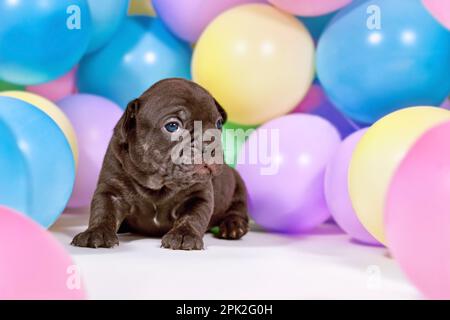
219, 124
172, 127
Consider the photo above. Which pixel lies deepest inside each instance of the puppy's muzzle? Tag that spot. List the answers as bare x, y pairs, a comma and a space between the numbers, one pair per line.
208, 169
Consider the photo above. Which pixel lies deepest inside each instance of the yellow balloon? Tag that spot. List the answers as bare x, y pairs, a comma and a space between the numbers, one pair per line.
141, 7
377, 156
257, 61
53, 112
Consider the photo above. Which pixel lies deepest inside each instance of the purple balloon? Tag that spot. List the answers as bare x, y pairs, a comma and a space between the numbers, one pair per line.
283, 164
316, 102
336, 191
446, 104
188, 18
344, 125
93, 119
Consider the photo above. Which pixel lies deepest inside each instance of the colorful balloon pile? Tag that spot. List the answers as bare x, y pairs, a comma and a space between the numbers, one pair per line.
295, 76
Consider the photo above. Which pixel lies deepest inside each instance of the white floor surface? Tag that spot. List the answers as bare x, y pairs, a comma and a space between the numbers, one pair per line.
324, 264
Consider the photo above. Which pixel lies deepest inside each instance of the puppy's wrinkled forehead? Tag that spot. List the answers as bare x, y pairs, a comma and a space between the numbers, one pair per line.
178, 97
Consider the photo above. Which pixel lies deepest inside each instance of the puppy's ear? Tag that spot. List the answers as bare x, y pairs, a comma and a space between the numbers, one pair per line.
222, 111
128, 121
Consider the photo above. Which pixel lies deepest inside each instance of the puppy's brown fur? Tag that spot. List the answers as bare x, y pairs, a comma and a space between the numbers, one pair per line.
141, 190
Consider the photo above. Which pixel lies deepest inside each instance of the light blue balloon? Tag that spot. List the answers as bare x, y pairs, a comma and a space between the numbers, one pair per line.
14, 176
41, 40
106, 15
48, 157
369, 70
142, 52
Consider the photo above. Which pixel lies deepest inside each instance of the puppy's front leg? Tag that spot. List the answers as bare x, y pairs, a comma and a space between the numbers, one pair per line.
191, 224
107, 214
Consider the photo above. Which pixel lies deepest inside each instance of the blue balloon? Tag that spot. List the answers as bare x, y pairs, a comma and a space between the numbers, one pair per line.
142, 52
379, 56
14, 182
41, 40
48, 157
316, 25
106, 15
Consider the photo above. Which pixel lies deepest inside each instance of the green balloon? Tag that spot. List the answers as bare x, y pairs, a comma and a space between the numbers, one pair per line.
6, 86
233, 137
215, 230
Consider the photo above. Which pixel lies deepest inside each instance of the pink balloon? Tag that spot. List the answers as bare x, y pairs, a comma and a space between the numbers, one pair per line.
310, 7
188, 18
33, 265
336, 190
440, 9
417, 216
56, 89
283, 165
93, 118
313, 99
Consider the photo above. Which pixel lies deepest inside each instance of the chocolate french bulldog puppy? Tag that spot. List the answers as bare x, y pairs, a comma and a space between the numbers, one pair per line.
141, 188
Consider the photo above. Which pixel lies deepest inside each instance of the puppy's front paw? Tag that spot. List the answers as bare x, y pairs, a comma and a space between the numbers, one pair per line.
96, 238
233, 227
182, 240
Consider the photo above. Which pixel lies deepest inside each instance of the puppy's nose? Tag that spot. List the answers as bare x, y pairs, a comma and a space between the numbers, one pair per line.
205, 169
216, 169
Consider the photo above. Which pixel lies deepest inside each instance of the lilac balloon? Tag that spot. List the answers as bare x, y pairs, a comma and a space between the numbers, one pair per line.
446, 104
93, 118
336, 190
188, 18
283, 164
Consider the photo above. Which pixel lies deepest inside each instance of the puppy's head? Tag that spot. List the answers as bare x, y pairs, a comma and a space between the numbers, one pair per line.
172, 134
